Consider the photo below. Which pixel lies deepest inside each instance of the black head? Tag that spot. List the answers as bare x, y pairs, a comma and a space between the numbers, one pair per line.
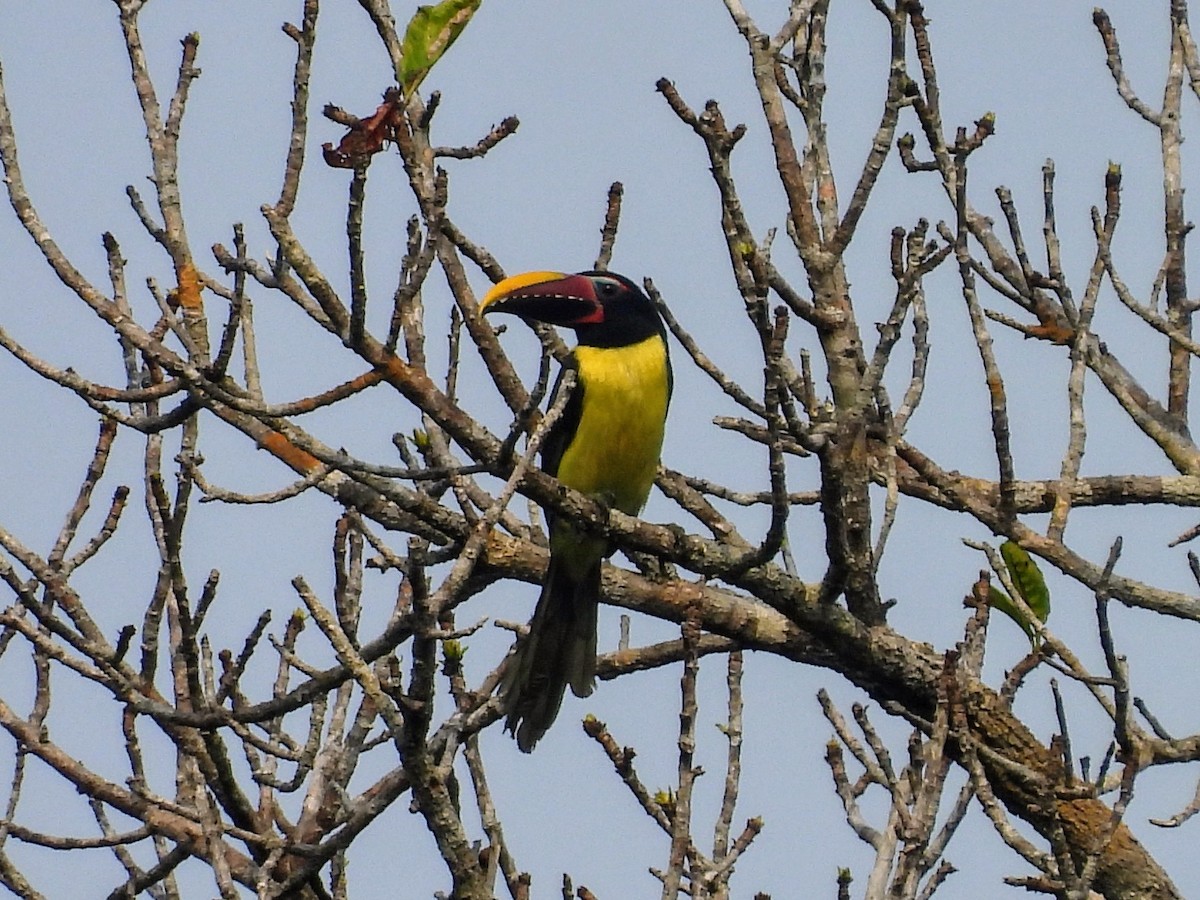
604, 309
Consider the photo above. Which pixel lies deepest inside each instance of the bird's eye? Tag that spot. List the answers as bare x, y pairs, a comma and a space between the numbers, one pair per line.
606, 289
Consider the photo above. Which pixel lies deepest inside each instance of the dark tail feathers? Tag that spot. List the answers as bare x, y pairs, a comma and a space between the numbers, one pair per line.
559, 650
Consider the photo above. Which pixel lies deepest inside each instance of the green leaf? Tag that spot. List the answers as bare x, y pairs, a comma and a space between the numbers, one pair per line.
430, 33
1028, 580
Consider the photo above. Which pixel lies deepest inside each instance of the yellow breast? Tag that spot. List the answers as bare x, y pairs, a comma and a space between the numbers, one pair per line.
614, 453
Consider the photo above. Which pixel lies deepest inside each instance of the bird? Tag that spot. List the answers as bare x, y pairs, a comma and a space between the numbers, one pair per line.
606, 444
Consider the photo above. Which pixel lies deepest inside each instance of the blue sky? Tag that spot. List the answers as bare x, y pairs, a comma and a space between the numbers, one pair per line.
581, 77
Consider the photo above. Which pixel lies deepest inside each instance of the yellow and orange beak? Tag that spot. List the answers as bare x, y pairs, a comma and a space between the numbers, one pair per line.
555, 298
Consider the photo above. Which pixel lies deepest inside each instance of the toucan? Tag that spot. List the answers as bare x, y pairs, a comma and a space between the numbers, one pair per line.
606, 444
